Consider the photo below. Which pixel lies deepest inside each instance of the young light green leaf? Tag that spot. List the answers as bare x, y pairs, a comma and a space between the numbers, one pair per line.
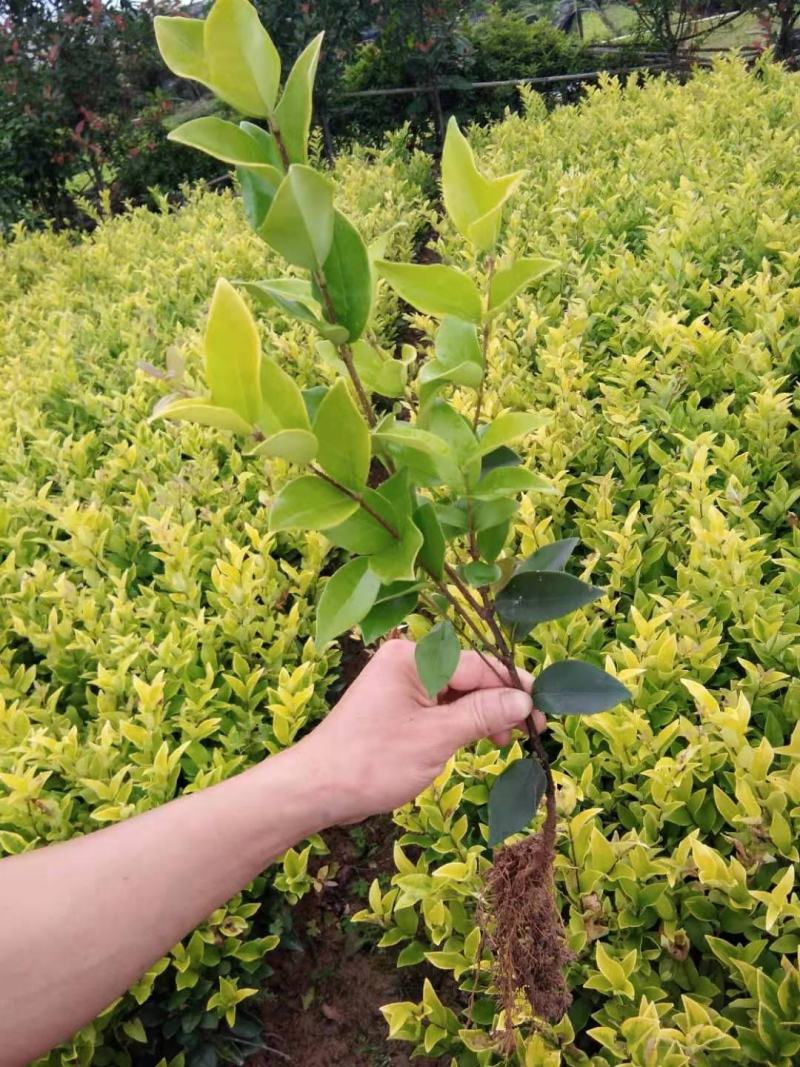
293, 113
232, 354
344, 444
431, 554
505, 481
202, 412
180, 42
347, 597
228, 142
508, 281
348, 278
243, 63
437, 656
298, 446
552, 557
299, 224
284, 407
510, 426
514, 799
473, 202
309, 503
293, 295
434, 289
539, 596
571, 687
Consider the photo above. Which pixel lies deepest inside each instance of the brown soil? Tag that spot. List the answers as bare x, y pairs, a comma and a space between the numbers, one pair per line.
327, 996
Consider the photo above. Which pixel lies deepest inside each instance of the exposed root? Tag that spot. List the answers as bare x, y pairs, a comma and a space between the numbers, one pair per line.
523, 927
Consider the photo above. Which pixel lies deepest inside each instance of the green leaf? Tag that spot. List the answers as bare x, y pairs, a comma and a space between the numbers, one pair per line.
442, 420
243, 63
510, 426
258, 193
344, 445
284, 407
293, 295
434, 289
552, 557
299, 223
396, 562
347, 597
180, 42
508, 281
437, 656
348, 277
487, 513
539, 596
571, 687
379, 372
228, 142
298, 446
364, 534
431, 554
202, 412
491, 541
232, 354
499, 457
312, 398
473, 202
426, 456
309, 503
385, 615
504, 481
453, 520
514, 798
478, 573
458, 358
293, 113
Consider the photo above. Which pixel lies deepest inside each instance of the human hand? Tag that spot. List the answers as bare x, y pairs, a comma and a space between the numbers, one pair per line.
386, 739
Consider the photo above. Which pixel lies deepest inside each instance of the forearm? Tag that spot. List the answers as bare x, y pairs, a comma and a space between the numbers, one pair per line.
82, 921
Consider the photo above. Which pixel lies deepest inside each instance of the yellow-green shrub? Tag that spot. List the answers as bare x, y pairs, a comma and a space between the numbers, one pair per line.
668, 351
154, 638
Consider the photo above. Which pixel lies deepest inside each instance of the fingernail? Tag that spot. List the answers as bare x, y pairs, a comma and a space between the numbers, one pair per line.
516, 705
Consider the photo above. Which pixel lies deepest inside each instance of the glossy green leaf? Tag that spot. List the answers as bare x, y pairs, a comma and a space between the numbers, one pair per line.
309, 503
431, 553
344, 444
479, 573
515, 798
347, 597
510, 426
386, 615
232, 354
552, 557
539, 596
571, 687
348, 278
298, 446
293, 113
284, 407
473, 202
434, 289
180, 42
508, 480
299, 223
293, 295
508, 281
202, 412
228, 142
365, 532
243, 63
437, 656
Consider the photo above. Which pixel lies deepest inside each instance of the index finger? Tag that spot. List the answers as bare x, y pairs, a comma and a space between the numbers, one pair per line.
477, 670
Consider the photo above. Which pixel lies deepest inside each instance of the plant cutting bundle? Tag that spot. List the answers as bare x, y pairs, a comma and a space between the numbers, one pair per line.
416, 492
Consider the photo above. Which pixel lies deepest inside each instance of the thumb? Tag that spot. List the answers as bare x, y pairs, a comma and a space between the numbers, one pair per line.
484, 712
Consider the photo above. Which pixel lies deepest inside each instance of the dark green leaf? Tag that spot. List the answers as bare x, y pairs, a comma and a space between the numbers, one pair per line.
452, 519
500, 457
437, 656
539, 596
571, 687
385, 615
396, 562
348, 278
431, 554
514, 798
478, 573
552, 557
347, 597
491, 541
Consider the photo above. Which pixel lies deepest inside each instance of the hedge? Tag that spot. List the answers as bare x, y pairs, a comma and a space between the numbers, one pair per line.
156, 639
